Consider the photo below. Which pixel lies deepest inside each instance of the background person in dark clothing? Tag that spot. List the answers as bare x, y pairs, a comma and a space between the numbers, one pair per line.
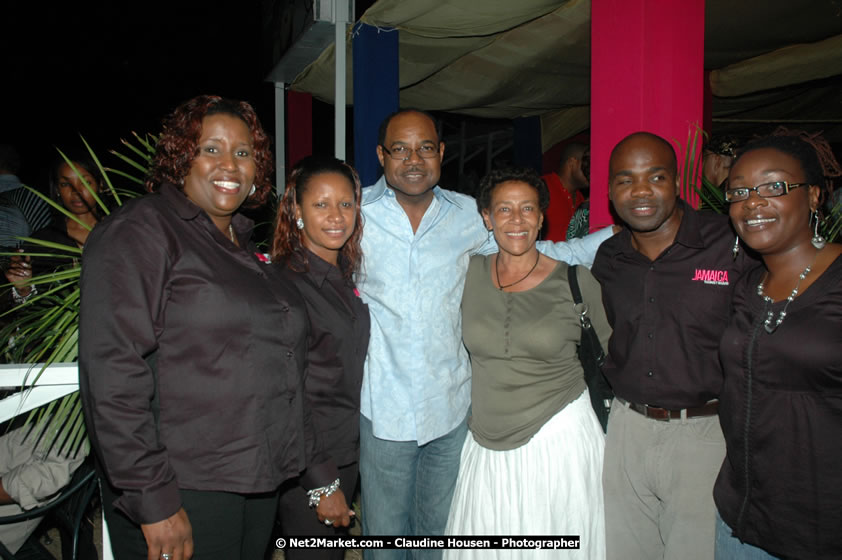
69, 189
666, 283
317, 245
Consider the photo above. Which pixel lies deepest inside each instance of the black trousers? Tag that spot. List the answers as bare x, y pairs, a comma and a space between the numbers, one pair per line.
226, 526
297, 519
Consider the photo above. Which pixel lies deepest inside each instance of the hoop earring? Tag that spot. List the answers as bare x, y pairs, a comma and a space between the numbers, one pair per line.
818, 241
299, 223
253, 190
735, 250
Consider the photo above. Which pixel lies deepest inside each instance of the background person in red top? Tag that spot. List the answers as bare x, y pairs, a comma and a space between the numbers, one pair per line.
565, 188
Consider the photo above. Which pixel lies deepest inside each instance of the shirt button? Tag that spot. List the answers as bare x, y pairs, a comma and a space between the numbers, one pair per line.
285, 309
651, 300
650, 373
652, 267
651, 335
290, 354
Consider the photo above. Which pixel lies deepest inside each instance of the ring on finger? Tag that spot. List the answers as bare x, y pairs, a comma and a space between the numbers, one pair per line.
165, 556
328, 522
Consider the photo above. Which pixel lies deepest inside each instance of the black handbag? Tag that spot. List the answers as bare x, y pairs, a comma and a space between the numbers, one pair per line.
591, 355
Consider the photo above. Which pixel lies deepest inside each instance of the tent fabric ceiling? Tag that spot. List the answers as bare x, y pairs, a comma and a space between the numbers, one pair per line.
504, 59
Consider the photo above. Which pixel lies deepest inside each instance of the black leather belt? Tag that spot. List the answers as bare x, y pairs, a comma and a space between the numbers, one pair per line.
710, 408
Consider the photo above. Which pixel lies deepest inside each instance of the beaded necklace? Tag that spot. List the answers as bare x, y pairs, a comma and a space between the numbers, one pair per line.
768, 324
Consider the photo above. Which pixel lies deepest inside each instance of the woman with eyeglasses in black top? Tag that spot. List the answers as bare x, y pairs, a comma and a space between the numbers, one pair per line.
779, 492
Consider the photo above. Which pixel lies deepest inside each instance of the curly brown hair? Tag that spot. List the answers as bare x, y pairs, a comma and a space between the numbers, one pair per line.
521, 174
178, 144
287, 240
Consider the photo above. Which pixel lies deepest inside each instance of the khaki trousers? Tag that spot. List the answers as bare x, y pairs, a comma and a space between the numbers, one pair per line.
658, 481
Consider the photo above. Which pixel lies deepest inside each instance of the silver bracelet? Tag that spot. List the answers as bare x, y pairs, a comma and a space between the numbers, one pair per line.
316, 493
17, 298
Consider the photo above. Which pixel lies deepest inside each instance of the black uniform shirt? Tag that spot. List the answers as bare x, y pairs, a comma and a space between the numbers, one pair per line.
337, 345
667, 315
222, 407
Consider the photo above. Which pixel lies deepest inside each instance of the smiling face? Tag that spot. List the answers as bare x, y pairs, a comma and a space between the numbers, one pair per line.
643, 184
411, 179
515, 216
328, 210
74, 195
222, 174
772, 225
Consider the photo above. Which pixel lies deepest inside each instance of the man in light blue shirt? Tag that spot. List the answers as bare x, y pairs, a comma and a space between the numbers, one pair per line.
416, 391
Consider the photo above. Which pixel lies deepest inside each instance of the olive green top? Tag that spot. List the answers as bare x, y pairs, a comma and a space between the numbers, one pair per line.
523, 351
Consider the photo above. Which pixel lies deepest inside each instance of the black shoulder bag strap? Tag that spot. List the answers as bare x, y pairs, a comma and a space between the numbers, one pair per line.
591, 355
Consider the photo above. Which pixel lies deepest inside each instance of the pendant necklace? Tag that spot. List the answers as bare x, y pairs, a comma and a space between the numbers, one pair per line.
231, 233
497, 272
768, 324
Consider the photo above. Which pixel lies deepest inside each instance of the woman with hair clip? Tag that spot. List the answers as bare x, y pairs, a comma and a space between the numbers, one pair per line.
192, 350
317, 245
72, 190
779, 492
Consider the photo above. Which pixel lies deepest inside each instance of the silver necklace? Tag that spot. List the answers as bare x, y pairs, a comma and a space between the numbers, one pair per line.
497, 272
768, 324
231, 233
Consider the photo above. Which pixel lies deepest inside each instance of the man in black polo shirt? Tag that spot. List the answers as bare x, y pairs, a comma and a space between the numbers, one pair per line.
667, 283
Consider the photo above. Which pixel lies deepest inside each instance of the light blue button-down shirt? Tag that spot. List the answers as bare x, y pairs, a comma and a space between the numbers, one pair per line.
417, 381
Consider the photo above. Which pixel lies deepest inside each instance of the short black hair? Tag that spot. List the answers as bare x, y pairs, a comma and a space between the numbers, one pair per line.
643, 134
381, 133
571, 150
523, 174
794, 146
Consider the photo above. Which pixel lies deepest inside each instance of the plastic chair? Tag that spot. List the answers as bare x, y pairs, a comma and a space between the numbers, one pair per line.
68, 513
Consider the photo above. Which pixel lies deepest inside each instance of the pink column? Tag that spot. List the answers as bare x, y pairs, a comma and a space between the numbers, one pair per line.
647, 71
299, 126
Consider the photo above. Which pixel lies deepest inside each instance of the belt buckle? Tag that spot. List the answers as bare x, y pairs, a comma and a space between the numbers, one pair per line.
657, 413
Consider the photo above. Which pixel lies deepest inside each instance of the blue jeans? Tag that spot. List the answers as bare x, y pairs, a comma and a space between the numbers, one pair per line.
729, 547
407, 488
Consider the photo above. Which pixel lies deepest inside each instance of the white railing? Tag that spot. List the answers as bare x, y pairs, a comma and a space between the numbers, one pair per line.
54, 382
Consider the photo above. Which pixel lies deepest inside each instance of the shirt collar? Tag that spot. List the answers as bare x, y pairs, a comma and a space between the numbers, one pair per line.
689, 231
318, 268
376, 191
187, 210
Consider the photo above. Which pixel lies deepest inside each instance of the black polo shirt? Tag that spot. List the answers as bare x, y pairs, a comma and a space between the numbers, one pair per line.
668, 314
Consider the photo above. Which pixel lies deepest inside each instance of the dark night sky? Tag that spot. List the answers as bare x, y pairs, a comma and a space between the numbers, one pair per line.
104, 69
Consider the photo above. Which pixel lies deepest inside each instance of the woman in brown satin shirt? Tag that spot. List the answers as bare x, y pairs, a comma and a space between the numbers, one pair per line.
192, 351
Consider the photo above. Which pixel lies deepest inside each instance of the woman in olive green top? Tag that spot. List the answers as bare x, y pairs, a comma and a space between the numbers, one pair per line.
533, 464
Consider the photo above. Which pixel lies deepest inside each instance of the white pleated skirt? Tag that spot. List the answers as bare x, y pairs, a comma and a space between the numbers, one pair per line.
550, 486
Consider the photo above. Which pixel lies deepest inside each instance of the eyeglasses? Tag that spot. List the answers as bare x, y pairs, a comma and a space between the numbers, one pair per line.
403, 153
766, 190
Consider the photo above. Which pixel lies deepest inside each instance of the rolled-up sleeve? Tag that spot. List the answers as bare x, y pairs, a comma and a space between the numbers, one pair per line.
123, 298
32, 475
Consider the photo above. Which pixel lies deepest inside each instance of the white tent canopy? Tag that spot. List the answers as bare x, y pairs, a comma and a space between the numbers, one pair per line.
771, 60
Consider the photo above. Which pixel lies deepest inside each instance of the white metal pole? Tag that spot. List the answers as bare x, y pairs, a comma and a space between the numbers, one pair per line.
280, 138
339, 105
